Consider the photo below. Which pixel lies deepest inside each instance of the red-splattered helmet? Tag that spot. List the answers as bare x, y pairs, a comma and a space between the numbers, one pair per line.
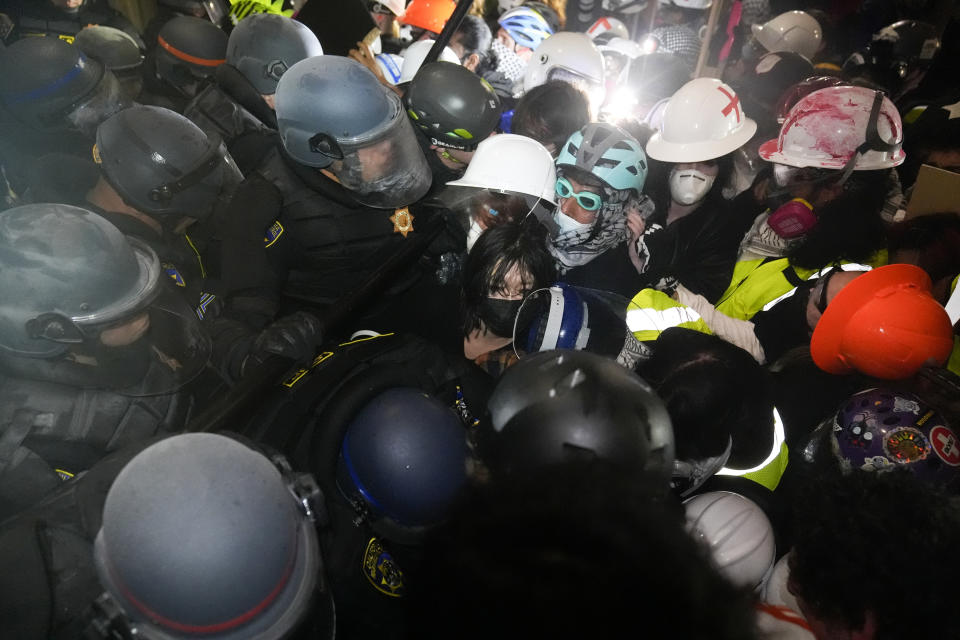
834, 127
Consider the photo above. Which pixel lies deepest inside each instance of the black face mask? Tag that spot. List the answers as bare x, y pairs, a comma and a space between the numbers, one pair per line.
499, 315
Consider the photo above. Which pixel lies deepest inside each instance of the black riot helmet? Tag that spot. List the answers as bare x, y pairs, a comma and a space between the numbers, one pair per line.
189, 50
161, 163
453, 106
72, 282
559, 406
204, 537
402, 462
47, 83
264, 45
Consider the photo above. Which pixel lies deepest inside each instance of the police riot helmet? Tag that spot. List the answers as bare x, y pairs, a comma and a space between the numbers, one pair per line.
453, 106
896, 55
403, 461
188, 50
71, 280
557, 406
118, 51
203, 535
333, 112
47, 83
264, 45
161, 163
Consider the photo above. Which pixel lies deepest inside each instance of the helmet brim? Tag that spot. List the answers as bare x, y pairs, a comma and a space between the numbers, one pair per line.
769, 151
828, 335
665, 151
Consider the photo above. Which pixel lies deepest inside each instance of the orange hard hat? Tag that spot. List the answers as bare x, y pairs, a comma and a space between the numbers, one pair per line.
429, 14
885, 324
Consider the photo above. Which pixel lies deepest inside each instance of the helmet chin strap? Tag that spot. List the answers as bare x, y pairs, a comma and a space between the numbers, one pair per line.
696, 472
873, 141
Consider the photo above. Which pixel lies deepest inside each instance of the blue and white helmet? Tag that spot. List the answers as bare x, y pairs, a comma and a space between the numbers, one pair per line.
609, 153
526, 26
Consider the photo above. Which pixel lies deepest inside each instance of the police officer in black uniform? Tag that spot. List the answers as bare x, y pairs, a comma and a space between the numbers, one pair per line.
238, 103
343, 175
61, 19
97, 349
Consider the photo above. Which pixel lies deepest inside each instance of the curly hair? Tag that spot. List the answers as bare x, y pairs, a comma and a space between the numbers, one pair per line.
877, 544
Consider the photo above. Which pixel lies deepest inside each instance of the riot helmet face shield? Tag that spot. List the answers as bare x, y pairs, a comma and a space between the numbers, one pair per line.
383, 167
106, 99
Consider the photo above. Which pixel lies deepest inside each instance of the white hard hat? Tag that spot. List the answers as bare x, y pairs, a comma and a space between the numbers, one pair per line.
391, 65
567, 56
703, 120
610, 26
414, 55
688, 4
795, 31
775, 590
623, 46
505, 5
508, 162
738, 533
397, 7
830, 126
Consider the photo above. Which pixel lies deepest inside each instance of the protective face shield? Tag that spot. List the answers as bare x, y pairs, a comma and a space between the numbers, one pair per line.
567, 317
473, 233
126, 329
688, 185
746, 168
107, 99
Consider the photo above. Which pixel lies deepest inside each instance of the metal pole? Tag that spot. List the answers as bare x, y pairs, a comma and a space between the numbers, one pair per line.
705, 45
463, 6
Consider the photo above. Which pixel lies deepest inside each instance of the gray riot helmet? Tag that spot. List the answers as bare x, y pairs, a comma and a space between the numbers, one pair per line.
188, 51
214, 10
118, 51
559, 406
264, 45
49, 84
333, 112
204, 537
161, 163
72, 282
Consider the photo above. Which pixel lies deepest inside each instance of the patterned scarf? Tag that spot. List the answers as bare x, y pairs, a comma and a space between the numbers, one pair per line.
508, 62
763, 242
576, 248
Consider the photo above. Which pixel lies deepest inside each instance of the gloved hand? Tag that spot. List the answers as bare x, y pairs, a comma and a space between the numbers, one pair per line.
296, 336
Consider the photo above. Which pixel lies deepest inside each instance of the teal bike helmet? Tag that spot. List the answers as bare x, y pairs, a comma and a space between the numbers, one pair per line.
609, 153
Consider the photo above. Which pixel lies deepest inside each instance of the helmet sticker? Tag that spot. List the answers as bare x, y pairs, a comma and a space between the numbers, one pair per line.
945, 445
906, 445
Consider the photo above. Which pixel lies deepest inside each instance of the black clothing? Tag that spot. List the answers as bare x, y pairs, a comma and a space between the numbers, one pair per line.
610, 271
699, 250
33, 18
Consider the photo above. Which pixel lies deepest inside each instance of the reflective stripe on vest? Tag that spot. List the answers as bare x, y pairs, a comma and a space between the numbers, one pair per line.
852, 266
768, 472
651, 312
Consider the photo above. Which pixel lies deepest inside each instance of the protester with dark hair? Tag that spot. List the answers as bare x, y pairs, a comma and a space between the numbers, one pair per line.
550, 113
471, 42
507, 262
932, 242
835, 515
566, 553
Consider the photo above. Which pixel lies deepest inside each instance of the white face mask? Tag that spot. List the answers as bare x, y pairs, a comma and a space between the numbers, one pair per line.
568, 224
688, 186
473, 233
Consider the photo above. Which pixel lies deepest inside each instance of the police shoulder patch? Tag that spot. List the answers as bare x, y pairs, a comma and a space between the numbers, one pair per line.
382, 570
171, 271
273, 233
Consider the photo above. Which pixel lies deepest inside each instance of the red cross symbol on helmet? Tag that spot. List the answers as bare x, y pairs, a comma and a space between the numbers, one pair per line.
733, 105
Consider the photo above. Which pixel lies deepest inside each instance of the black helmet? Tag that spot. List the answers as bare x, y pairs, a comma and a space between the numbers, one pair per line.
403, 461
202, 535
188, 50
894, 53
71, 280
161, 163
264, 45
49, 84
561, 405
453, 106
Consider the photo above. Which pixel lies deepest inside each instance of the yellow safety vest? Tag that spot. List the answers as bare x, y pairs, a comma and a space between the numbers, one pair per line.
651, 312
769, 472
